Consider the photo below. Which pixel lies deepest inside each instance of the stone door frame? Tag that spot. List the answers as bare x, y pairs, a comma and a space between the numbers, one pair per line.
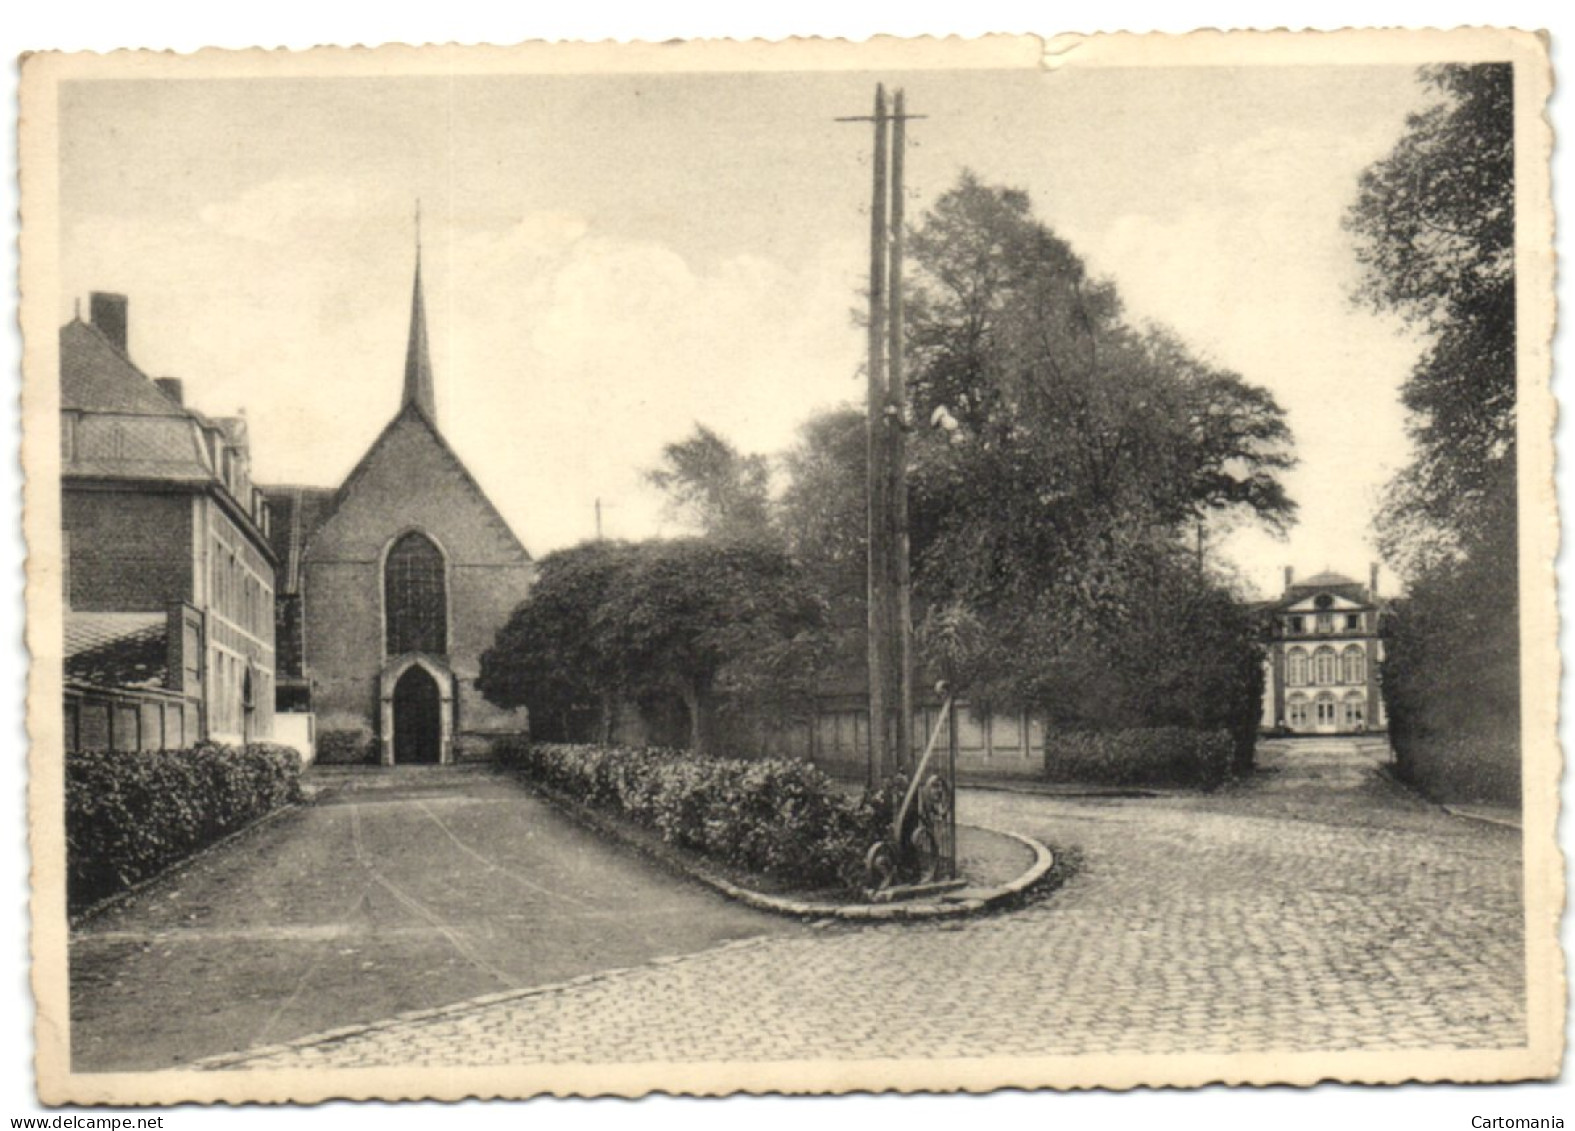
443, 677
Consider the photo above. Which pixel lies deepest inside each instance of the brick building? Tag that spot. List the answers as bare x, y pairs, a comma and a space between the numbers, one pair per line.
391, 587
1321, 671
168, 571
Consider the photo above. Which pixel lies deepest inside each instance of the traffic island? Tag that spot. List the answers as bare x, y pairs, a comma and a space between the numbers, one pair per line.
996, 866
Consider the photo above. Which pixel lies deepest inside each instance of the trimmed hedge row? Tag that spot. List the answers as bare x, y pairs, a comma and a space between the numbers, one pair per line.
130, 815
775, 817
1173, 756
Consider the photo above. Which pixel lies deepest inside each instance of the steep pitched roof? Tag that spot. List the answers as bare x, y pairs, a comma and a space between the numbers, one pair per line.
296, 513
95, 376
412, 412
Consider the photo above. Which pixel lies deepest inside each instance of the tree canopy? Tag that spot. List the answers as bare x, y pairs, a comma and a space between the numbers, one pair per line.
714, 487
693, 618
1434, 230
1074, 451
551, 655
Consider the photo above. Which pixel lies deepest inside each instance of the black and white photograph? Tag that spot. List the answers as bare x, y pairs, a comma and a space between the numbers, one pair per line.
824, 567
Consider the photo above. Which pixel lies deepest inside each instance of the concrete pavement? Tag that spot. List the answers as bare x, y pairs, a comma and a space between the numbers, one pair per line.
398, 890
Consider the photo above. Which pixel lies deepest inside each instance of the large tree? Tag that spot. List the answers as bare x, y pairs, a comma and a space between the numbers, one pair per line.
1062, 451
1434, 231
823, 513
701, 620
715, 488
707, 620
551, 657
1058, 455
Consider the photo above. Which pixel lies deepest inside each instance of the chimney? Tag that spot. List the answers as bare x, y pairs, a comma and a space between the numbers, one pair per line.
171, 388
1290, 575
107, 313
1372, 581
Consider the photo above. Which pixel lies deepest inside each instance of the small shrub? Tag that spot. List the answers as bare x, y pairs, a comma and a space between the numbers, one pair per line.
1173, 756
130, 815
775, 817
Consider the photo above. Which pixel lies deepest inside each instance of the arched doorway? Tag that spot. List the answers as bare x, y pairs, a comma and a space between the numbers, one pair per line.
418, 720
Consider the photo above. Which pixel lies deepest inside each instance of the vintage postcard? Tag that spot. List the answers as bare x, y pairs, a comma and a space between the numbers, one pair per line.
720, 567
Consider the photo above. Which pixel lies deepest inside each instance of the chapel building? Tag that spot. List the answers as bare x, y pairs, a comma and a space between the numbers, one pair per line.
391, 586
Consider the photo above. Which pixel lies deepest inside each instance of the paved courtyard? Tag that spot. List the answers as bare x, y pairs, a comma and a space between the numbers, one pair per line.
397, 891
1317, 908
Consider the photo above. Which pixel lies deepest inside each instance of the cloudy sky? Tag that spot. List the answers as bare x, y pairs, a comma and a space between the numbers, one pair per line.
610, 259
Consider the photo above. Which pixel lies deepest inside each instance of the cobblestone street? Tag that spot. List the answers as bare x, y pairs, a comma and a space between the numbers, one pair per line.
1307, 911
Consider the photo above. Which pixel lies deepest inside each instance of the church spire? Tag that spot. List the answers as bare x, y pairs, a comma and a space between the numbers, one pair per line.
418, 357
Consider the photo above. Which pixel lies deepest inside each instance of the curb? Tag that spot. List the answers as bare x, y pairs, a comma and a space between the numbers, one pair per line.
810, 909
1075, 793
1386, 771
94, 910
1485, 818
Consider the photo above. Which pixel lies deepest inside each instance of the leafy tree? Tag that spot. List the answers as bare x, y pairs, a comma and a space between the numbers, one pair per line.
1434, 230
1063, 411
702, 620
1434, 226
714, 487
1058, 457
705, 621
1069, 453
823, 513
551, 657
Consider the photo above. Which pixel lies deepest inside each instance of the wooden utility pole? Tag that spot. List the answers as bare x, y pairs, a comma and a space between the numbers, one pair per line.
877, 473
897, 454
890, 649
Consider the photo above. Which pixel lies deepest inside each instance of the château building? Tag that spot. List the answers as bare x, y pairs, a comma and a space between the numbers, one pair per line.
1324, 652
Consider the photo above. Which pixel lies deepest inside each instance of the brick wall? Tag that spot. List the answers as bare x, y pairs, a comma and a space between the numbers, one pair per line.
130, 551
408, 481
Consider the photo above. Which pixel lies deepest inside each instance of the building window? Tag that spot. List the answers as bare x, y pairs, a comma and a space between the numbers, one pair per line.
1354, 709
1353, 665
1325, 622
1298, 712
1326, 712
1298, 624
1353, 622
1296, 668
1325, 665
415, 597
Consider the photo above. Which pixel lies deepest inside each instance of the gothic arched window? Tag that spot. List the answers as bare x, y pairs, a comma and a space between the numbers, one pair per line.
415, 597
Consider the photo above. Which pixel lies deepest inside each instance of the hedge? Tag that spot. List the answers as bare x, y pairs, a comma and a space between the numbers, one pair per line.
1172, 756
344, 745
775, 817
131, 815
